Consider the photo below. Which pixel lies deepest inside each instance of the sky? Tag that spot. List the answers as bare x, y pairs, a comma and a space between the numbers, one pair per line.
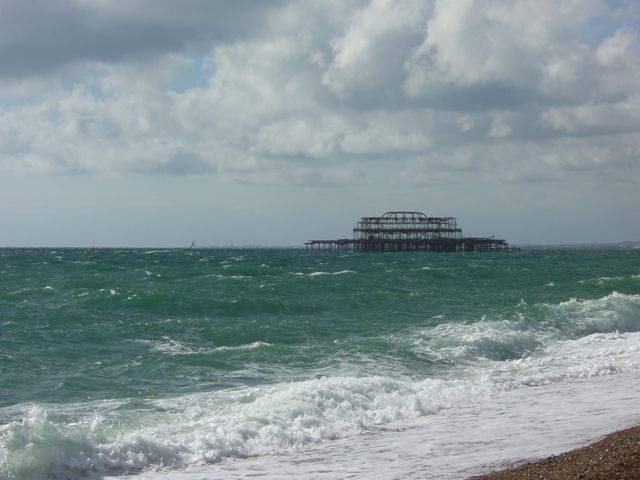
155, 122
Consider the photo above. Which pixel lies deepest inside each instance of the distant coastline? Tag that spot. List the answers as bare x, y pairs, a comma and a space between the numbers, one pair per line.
626, 245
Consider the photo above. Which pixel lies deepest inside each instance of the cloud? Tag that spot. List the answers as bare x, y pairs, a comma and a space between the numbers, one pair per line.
499, 54
595, 118
39, 36
368, 56
323, 92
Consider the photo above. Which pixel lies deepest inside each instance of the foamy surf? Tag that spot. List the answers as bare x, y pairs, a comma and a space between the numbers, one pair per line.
194, 430
454, 444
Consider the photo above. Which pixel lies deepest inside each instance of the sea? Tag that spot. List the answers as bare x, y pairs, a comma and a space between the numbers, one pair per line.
199, 364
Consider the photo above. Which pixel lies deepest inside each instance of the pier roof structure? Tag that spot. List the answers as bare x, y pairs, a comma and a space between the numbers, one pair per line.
408, 231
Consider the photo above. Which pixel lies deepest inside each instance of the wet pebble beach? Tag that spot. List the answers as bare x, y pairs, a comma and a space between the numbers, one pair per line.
617, 456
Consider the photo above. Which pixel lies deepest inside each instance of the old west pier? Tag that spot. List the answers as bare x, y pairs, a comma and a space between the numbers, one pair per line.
408, 231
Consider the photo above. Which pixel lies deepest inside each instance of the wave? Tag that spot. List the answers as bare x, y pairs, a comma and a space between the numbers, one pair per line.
225, 277
541, 344
591, 356
616, 312
321, 273
341, 272
174, 347
200, 429
248, 346
529, 328
603, 280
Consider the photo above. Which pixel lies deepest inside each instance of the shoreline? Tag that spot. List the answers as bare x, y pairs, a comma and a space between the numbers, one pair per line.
616, 455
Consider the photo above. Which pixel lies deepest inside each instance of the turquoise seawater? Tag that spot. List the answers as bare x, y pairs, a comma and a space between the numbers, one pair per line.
118, 361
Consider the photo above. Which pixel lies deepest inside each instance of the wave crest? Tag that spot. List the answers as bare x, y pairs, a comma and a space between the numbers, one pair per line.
207, 428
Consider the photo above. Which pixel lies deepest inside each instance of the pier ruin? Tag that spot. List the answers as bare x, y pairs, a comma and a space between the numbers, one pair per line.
408, 231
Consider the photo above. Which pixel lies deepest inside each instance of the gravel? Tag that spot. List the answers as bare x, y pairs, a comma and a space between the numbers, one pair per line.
615, 457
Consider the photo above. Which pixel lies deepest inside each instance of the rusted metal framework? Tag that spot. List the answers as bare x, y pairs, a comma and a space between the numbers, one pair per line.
408, 231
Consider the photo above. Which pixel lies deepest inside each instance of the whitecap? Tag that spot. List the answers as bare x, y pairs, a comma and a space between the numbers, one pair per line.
602, 280
341, 272
614, 312
175, 347
248, 346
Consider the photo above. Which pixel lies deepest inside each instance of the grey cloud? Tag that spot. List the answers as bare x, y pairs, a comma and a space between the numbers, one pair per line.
476, 97
39, 36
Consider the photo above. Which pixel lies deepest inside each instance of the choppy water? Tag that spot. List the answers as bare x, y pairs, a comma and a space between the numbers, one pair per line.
165, 362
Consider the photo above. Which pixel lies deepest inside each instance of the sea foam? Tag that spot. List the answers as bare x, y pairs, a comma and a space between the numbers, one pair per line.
205, 428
